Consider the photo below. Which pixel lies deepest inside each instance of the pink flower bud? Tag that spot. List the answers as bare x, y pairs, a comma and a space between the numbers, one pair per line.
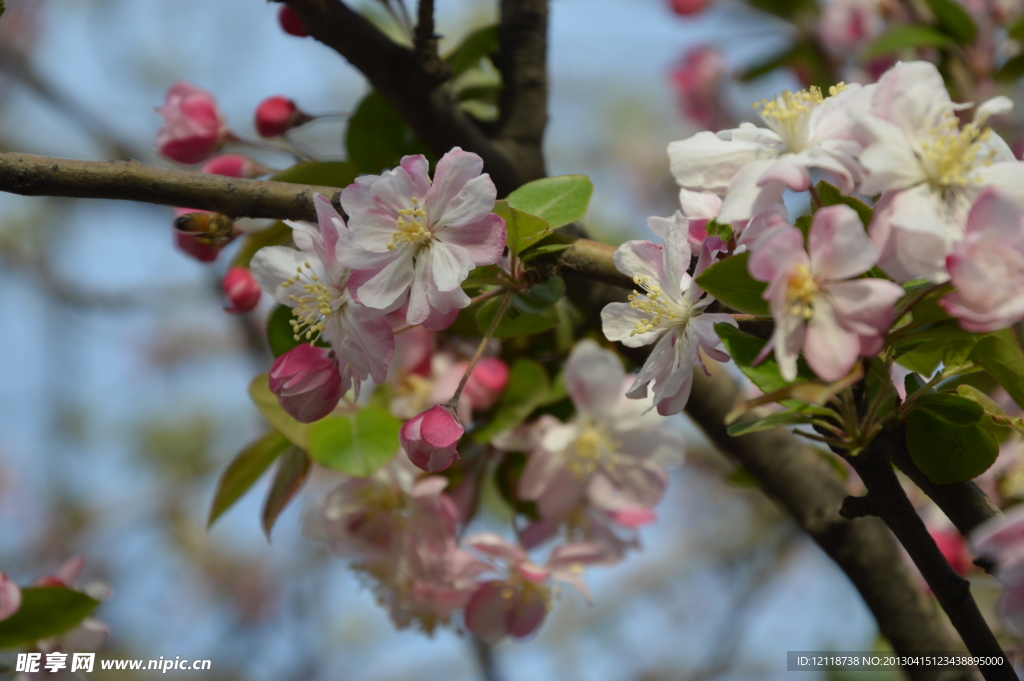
277, 115
688, 7
486, 382
194, 247
954, 549
307, 382
194, 124
234, 165
241, 289
10, 597
430, 438
291, 23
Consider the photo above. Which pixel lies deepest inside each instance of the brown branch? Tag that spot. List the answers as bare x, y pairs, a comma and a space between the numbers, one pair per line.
30, 175
398, 75
887, 500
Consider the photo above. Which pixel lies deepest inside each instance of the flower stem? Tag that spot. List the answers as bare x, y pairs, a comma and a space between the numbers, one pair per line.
454, 401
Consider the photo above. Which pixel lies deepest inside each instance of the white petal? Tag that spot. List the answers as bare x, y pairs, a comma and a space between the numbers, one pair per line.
708, 163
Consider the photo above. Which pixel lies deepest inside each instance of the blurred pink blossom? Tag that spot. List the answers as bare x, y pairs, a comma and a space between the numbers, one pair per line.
194, 126
241, 289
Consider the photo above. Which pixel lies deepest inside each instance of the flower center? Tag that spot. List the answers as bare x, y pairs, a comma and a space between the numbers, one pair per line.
789, 113
801, 290
592, 448
312, 307
952, 153
663, 311
524, 593
411, 227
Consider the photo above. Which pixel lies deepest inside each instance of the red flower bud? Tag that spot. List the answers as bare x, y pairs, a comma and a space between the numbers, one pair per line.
241, 289
194, 247
234, 165
689, 7
194, 126
430, 438
291, 23
277, 115
307, 382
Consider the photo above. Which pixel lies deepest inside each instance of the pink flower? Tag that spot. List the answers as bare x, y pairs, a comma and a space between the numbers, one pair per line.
696, 80
669, 312
954, 548
314, 282
847, 25
234, 165
428, 234
1001, 539
241, 290
431, 437
833, 321
517, 604
485, 384
194, 126
688, 7
10, 597
987, 267
291, 23
277, 115
610, 456
307, 382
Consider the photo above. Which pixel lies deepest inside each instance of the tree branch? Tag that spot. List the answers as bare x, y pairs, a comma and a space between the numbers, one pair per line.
887, 499
397, 74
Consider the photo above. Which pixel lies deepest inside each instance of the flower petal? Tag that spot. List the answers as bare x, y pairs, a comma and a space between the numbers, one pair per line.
838, 244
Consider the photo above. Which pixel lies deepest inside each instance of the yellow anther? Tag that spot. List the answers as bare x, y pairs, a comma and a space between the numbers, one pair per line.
663, 312
592, 448
789, 113
801, 292
312, 307
952, 153
411, 228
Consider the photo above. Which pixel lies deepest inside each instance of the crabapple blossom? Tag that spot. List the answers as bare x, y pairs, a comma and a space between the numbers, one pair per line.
483, 388
314, 282
696, 79
234, 165
517, 604
670, 312
847, 25
291, 23
423, 236
241, 290
928, 168
430, 438
688, 7
987, 267
751, 166
1001, 539
307, 382
832, 320
194, 126
610, 455
277, 115
10, 597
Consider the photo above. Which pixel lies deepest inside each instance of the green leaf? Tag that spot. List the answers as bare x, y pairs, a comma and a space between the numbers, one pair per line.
1016, 29
947, 453
528, 387
243, 472
267, 404
1001, 355
831, 196
744, 347
542, 250
952, 409
722, 231
45, 612
730, 282
487, 94
782, 418
540, 296
996, 421
954, 20
1011, 70
280, 334
513, 323
765, 67
324, 173
479, 44
558, 200
292, 470
524, 230
903, 36
357, 444
275, 235
377, 137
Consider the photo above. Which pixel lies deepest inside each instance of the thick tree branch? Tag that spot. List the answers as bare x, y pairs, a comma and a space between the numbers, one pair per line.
887, 500
30, 175
398, 75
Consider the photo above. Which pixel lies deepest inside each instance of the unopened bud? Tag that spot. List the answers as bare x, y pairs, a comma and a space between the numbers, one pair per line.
241, 289
194, 126
291, 23
430, 438
688, 7
277, 115
234, 165
307, 382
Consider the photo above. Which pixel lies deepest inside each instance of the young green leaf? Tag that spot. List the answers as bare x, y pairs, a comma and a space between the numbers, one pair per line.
903, 36
1001, 355
954, 20
292, 470
783, 418
947, 453
558, 200
478, 44
524, 230
267, 404
377, 137
280, 334
244, 470
744, 348
952, 409
540, 296
45, 612
831, 196
730, 282
527, 389
275, 235
324, 173
515, 323
357, 444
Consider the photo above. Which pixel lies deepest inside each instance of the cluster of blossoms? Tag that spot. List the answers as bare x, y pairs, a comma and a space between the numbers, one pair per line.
950, 208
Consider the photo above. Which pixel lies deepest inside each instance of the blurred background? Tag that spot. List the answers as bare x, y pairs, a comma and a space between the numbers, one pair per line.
123, 382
